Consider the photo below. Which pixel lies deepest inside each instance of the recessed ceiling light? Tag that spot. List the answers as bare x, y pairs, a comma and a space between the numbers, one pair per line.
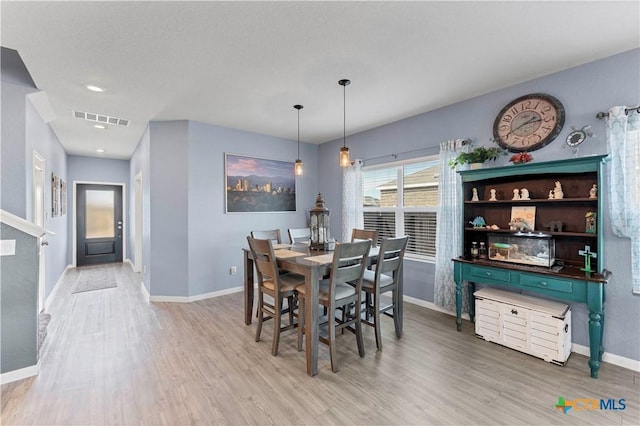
100, 151
99, 126
94, 88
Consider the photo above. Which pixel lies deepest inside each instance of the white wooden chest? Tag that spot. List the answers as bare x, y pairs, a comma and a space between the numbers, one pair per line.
535, 326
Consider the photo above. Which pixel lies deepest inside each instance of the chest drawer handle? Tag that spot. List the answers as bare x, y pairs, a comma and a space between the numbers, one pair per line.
488, 274
543, 283
514, 312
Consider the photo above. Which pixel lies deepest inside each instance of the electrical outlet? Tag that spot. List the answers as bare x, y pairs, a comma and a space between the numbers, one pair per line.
233, 270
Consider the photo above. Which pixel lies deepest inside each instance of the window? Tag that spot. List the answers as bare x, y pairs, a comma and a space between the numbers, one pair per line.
402, 199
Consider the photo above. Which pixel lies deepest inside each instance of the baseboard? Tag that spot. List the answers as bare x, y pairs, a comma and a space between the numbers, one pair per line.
23, 373
610, 358
189, 299
133, 268
432, 306
618, 360
147, 296
54, 292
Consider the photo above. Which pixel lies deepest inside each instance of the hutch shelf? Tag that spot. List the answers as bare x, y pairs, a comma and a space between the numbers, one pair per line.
572, 224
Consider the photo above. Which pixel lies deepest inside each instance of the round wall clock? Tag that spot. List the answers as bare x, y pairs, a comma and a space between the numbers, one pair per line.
528, 122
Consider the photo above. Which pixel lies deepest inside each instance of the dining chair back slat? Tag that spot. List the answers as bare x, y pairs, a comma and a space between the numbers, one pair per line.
299, 235
365, 234
272, 234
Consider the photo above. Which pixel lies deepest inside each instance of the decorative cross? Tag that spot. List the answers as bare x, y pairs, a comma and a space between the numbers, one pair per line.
588, 254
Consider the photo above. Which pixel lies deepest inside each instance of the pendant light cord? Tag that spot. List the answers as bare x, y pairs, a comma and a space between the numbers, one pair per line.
298, 133
344, 115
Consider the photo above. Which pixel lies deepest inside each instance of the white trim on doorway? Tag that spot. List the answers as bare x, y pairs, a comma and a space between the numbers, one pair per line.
137, 221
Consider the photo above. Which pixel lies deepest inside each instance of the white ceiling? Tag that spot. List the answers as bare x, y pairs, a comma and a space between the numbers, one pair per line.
245, 64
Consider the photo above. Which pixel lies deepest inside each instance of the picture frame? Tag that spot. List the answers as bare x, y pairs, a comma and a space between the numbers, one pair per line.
55, 195
258, 185
525, 214
63, 197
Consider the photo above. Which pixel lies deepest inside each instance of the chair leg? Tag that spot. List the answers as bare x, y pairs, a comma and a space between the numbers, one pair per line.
260, 315
300, 321
376, 320
332, 339
358, 330
277, 319
396, 316
292, 306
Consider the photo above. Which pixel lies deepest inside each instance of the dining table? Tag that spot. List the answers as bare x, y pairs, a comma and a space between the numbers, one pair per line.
313, 265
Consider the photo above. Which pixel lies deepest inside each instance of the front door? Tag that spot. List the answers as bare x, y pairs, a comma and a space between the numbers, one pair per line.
99, 224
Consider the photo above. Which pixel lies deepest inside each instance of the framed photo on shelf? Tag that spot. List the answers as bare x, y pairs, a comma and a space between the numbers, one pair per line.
523, 214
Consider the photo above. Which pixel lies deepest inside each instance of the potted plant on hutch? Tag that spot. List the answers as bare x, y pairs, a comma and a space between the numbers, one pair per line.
476, 156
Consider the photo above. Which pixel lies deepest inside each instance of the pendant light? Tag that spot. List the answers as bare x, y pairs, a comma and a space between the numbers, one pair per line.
298, 165
344, 151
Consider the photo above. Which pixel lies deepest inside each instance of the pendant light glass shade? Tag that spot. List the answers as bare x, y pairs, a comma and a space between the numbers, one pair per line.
344, 151
298, 165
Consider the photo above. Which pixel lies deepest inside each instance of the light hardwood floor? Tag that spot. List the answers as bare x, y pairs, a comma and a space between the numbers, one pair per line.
113, 358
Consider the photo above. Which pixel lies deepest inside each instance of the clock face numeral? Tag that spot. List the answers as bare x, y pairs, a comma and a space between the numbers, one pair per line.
529, 122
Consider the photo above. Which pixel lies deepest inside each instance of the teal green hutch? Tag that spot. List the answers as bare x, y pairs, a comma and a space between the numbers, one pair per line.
573, 221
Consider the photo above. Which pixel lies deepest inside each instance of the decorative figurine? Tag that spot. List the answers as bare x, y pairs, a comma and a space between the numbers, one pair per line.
551, 194
593, 192
516, 194
519, 224
590, 222
557, 191
588, 254
478, 222
524, 194
554, 225
475, 195
493, 195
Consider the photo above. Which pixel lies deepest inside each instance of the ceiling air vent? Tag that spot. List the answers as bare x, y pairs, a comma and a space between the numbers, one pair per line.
99, 118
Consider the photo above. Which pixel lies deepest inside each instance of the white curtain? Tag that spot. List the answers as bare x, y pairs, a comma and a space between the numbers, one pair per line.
449, 228
352, 216
623, 141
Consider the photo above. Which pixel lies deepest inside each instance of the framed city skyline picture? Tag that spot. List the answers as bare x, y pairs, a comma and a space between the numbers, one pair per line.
256, 185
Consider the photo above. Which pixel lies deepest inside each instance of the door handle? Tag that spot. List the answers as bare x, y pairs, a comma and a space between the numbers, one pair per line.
44, 243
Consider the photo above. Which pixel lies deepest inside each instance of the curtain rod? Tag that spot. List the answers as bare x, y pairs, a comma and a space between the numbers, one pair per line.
395, 155
626, 111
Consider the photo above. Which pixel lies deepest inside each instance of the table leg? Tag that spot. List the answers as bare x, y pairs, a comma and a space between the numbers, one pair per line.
311, 278
472, 302
458, 280
595, 297
248, 288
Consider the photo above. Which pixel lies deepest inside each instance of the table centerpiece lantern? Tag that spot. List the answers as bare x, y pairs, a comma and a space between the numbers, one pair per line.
319, 224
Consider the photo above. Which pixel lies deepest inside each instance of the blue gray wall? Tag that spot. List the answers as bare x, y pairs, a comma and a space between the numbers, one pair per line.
584, 91
23, 131
19, 302
192, 243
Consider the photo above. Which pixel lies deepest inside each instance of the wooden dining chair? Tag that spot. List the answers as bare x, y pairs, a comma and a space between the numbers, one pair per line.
276, 285
299, 235
382, 279
342, 289
272, 234
364, 234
